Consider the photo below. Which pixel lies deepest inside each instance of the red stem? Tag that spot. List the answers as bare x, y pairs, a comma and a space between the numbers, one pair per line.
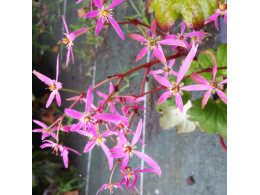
222, 142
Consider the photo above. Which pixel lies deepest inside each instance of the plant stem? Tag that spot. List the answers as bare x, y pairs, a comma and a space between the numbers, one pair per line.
110, 180
71, 90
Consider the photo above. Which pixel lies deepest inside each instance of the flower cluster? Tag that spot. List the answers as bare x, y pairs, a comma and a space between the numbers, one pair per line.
99, 125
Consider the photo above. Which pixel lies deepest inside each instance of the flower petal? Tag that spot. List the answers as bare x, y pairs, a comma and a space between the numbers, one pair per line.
58, 99
109, 158
125, 161
99, 25
40, 123
65, 153
110, 117
172, 42
225, 17
224, 81
222, 95
213, 17
50, 99
186, 64
137, 132
98, 3
196, 87
156, 71
138, 37
92, 14
43, 78
89, 146
149, 161
199, 79
116, 26
65, 25
171, 63
68, 55
73, 113
77, 32
111, 87
114, 4
179, 102
159, 54
57, 68
164, 96
153, 27
205, 98
214, 72
171, 37
216, 23
183, 25
163, 81
142, 53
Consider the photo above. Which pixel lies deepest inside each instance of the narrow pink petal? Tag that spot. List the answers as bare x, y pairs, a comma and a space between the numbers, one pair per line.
137, 132
65, 25
163, 81
98, 3
149, 161
166, 75
50, 99
196, 87
72, 56
148, 32
65, 158
57, 68
156, 71
199, 79
43, 78
136, 177
213, 17
153, 27
120, 155
93, 130
205, 98
89, 99
77, 32
186, 64
99, 25
90, 145
225, 17
142, 53
172, 42
40, 124
68, 56
127, 182
171, 63
174, 73
114, 4
171, 37
186, 43
193, 34
110, 117
85, 133
73, 113
109, 158
138, 37
112, 107
116, 26
46, 145
183, 25
76, 127
92, 14
54, 135
101, 94
224, 81
216, 23
125, 161
58, 99
164, 96
214, 72
222, 95
44, 135
38, 130
179, 102
117, 150
159, 55
111, 87
122, 138
74, 151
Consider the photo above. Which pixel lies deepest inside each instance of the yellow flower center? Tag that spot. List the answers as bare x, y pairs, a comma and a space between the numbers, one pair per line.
129, 175
167, 69
86, 119
66, 41
214, 84
99, 139
175, 88
222, 6
128, 149
104, 13
52, 87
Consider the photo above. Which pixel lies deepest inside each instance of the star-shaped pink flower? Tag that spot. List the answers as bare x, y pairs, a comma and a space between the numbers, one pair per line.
104, 13
54, 85
166, 70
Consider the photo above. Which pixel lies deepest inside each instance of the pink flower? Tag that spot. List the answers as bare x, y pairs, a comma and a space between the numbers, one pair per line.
181, 37
110, 101
196, 37
130, 174
70, 37
222, 10
175, 87
98, 140
104, 13
126, 108
166, 70
46, 132
126, 150
211, 86
63, 149
54, 85
90, 116
110, 187
153, 43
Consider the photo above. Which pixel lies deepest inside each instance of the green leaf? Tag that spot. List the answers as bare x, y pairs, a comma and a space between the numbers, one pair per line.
193, 12
222, 55
212, 118
205, 59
